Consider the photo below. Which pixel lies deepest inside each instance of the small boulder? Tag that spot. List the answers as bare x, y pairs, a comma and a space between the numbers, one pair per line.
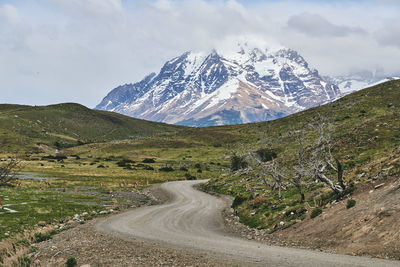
42, 223
379, 185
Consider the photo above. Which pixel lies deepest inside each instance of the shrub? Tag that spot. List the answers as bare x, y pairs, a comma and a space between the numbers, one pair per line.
101, 166
124, 162
183, 169
166, 169
238, 200
40, 237
315, 212
266, 154
238, 163
148, 161
189, 177
71, 262
197, 165
24, 261
350, 203
57, 157
149, 168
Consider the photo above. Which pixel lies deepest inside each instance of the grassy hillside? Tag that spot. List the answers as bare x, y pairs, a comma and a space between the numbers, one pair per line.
24, 127
366, 138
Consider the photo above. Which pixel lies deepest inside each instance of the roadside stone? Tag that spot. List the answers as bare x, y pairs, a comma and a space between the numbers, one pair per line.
379, 185
42, 223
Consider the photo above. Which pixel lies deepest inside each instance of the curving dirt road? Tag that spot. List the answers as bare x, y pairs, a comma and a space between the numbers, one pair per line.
192, 220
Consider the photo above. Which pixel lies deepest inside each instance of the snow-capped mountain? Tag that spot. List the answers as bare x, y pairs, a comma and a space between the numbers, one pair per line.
351, 83
203, 89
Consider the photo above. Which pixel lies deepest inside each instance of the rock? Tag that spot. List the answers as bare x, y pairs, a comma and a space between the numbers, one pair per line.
42, 223
104, 212
84, 214
371, 191
85, 265
379, 185
77, 218
384, 213
282, 223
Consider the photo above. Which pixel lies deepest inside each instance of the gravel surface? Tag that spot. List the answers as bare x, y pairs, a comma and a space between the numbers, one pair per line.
188, 230
96, 248
192, 220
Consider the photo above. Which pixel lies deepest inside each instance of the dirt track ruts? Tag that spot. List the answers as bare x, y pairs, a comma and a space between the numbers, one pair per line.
192, 220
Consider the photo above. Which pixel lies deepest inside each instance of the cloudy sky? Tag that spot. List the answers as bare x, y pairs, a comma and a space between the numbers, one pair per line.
54, 51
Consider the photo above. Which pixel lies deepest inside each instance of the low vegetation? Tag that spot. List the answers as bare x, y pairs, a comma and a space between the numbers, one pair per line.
279, 172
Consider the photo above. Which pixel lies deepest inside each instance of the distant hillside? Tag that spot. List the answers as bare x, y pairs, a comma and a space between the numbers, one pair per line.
64, 125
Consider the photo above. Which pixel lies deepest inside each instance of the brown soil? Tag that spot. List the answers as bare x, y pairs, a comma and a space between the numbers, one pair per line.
370, 228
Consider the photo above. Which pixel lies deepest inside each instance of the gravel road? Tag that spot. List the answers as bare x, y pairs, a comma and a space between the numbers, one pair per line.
192, 220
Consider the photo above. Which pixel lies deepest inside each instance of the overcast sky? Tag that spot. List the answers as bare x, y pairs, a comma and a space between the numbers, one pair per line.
54, 51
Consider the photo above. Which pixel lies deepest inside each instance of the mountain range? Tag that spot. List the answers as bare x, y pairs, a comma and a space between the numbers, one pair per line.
357, 81
217, 88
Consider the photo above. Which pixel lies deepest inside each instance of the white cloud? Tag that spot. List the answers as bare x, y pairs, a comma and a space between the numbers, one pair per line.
96, 7
78, 50
389, 34
9, 14
317, 26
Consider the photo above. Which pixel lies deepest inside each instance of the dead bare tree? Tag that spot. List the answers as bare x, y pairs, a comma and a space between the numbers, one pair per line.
301, 170
322, 162
273, 176
8, 171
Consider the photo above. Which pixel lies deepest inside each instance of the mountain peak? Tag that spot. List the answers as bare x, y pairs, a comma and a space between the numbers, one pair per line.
240, 85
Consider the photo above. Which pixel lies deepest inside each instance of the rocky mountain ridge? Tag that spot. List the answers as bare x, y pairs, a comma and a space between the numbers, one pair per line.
217, 88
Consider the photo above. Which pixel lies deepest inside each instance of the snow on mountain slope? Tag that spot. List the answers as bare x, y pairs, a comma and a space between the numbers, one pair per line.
203, 89
352, 83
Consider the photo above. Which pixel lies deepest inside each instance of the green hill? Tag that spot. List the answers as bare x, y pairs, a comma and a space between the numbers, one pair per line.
63, 125
107, 150
365, 138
